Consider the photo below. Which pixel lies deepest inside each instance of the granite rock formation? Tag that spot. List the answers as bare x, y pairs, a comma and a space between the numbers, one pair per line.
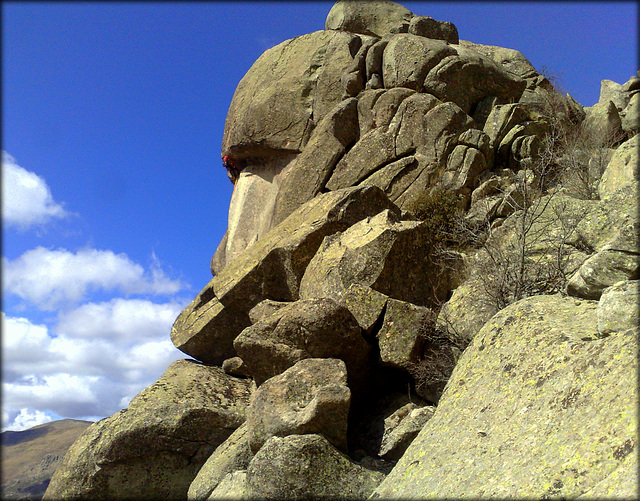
427, 286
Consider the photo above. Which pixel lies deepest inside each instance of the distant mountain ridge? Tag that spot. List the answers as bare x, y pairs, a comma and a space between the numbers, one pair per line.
30, 457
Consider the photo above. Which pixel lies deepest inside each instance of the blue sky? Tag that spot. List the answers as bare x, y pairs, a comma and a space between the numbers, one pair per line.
114, 197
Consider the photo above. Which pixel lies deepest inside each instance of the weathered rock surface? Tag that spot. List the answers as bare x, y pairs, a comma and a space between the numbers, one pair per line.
236, 367
603, 121
466, 78
399, 337
630, 116
312, 168
428, 27
270, 269
311, 328
611, 227
366, 305
614, 92
623, 169
310, 397
252, 206
232, 487
264, 309
232, 455
384, 252
401, 428
524, 413
377, 17
468, 309
409, 58
154, 448
275, 114
618, 307
307, 467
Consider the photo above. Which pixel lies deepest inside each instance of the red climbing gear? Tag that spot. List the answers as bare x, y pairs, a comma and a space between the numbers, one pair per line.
232, 170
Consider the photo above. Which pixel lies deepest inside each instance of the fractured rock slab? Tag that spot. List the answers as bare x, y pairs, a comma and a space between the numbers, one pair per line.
270, 269
232, 455
402, 427
311, 328
383, 252
399, 337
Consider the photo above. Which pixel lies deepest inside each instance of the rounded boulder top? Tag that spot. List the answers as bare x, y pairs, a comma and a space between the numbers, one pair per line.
374, 17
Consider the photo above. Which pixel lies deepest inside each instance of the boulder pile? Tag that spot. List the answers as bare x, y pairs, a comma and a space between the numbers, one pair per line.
422, 292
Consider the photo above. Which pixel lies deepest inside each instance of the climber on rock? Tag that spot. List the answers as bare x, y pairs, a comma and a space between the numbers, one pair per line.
233, 169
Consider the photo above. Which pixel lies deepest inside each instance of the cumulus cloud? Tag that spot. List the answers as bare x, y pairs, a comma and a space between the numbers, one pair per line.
24, 419
125, 320
26, 198
89, 365
53, 278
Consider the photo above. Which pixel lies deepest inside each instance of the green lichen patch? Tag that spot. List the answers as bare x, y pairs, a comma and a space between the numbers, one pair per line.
540, 412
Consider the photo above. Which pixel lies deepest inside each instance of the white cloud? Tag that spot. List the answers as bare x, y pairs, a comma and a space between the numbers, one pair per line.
119, 319
91, 363
26, 198
26, 418
54, 278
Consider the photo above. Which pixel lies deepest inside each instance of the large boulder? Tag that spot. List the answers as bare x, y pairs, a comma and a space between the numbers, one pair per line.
155, 447
622, 170
535, 408
618, 307
408, 59
311, 328
611, 228
307, 467
429, 27
510, 60
310, 397
466, 77
614, 92
375, 17
285, 92
386, 253
270, 269
603, 122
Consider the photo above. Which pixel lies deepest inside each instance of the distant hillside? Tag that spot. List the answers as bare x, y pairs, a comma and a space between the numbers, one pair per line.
30, 457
